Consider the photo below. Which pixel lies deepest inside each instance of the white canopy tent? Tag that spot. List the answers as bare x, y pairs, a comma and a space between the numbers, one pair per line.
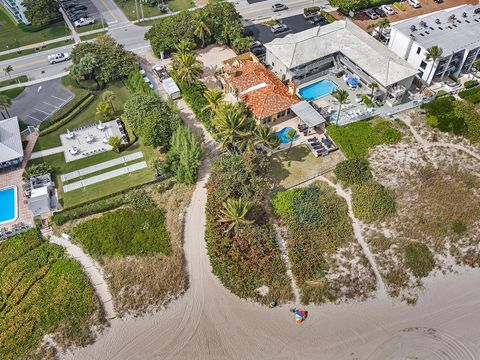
308, 114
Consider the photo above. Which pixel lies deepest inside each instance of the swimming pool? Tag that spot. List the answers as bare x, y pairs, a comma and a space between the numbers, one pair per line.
282, 134
317, 90
8, 204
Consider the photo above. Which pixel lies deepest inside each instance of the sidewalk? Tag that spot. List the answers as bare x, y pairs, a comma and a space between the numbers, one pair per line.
42, 153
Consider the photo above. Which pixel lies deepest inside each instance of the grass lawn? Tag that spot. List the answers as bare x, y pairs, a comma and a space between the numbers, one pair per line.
57, 161
43, 292
12, 36
94, 26
13, 93
87, 116
128, 8
91, 36
179, 5
357, 138
19, 79
35, 50
300, 165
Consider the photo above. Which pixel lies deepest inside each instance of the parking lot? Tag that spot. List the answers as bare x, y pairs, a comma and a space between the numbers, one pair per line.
295, 24
91, 10
37, 103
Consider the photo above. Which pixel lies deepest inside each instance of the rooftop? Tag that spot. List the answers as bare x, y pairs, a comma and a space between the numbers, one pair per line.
451, 29
262, 92
347, 38
10, 140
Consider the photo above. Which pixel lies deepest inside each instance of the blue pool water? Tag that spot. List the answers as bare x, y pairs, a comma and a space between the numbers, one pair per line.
317, 90
8, 205
283, 133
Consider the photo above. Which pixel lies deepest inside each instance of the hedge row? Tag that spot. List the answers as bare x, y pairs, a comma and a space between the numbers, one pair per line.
53, 124
193, 95
470, 83
90, 208
472, 95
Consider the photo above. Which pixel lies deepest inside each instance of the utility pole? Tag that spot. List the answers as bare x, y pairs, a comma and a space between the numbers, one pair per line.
136, 9
141, 9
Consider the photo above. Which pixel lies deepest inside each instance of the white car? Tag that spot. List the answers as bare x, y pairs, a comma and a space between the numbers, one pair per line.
388, 10
84, 22
56, 58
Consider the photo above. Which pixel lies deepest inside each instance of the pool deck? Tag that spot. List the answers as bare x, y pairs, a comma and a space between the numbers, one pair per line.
14, 178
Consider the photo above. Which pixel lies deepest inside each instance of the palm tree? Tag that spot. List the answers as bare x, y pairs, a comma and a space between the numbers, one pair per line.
372, 86
381, 24
183, 47
104, 109
5, 103
231, 124
214, 98
187, 66
115, 142
433, 54
234, 212
7, 70
342, 97
291, 136
201, 28
109, 96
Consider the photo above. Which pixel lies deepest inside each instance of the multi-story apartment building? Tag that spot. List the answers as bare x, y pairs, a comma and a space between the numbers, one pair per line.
456, 31
16, 9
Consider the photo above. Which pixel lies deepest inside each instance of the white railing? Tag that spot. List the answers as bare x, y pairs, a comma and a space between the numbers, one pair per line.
29, 130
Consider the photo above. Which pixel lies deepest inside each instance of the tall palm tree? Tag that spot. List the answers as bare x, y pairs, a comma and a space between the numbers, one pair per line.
342, 97
372, 86
109, 96
291, 136
187, 66
5, 103
7, 70
433, 54
201, 28
234, 212
214, 98
381, 24
231, 125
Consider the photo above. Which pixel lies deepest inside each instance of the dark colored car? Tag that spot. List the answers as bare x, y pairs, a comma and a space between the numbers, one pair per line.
259, 51
318, 20
379, 12
80, 7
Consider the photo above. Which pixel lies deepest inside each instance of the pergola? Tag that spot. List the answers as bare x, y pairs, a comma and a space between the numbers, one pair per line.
307, 114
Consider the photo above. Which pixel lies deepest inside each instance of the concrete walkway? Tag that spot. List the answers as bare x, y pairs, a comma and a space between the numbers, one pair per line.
104, 165
93, 271
105, 176
46, 152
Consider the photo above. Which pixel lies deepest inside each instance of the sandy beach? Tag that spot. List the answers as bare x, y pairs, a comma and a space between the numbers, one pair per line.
210, 323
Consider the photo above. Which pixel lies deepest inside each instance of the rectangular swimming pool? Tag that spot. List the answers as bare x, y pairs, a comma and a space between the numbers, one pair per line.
317, 90
8, 204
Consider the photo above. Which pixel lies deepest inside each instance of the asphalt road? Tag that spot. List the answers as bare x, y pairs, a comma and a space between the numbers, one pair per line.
295, 24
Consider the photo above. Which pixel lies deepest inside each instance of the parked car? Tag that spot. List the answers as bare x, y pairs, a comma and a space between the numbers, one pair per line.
278, 28
69, 5
256, 44
371, 14
279, 7
318, 20
80, 7
414, 3
259, 51
388, 10
309, 14
56, 58
84, 22
379, 11
438, 1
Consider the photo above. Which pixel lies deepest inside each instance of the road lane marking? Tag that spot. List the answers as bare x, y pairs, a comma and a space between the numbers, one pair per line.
109, 10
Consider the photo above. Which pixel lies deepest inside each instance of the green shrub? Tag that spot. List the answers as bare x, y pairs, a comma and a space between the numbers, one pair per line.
166, 185
42, 292
357, 138
56, 123
139, 200
90, 208
372, 201
459, 227
419, 259
470, 83
330, 18
366, 100
311, 9
443, 110
353, 171
399, 6
124, 232
37, 169
472, 95
441, 93
318, 225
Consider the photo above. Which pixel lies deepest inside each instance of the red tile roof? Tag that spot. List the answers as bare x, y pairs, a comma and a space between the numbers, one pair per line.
264, 101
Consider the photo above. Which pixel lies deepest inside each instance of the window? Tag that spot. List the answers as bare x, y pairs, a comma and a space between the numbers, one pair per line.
419, 49
423, 65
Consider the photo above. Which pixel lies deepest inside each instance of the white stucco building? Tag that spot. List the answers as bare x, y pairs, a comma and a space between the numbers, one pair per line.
456, 31
310, 54
16, 10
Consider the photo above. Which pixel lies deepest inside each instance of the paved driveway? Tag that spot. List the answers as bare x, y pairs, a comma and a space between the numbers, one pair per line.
295, 24
38, 102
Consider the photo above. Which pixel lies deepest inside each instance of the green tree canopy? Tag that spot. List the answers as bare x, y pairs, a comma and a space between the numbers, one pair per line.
41, 12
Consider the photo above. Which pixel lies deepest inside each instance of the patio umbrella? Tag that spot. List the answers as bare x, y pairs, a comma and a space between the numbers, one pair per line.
351, 81
300, 316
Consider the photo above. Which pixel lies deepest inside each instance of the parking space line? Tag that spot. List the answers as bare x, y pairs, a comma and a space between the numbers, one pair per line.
59, 98
34, 118
43, 111
55, 107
